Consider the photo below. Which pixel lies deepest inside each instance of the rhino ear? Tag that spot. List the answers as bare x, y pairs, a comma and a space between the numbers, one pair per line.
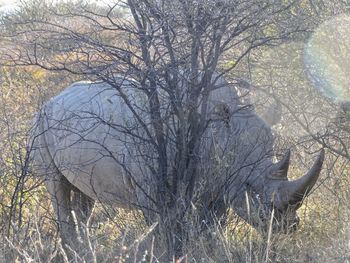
273, 114
280, 171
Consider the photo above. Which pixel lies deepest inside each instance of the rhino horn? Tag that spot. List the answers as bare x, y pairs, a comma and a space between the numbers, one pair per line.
298, 189
281, 168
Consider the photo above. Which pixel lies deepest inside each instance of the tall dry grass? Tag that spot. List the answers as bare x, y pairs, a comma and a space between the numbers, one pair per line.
121, 236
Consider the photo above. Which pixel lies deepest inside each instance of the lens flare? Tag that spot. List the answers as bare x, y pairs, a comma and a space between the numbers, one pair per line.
327, 58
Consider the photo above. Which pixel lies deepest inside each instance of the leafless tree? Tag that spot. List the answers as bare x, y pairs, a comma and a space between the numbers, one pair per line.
174, 51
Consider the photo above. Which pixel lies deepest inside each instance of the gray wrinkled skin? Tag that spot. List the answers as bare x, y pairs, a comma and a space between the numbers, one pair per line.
80, 143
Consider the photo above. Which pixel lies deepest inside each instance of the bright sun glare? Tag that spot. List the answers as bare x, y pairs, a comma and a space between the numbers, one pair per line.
327, 56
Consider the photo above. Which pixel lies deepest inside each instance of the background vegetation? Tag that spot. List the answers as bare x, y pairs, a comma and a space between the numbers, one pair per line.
271, 73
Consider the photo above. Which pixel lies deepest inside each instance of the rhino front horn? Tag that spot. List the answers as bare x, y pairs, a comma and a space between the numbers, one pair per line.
297, 190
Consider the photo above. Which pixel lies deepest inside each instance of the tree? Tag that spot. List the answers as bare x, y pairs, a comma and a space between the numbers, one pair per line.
174, 50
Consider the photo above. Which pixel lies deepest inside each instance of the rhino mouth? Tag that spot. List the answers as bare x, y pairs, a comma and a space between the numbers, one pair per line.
285, 224
294, 226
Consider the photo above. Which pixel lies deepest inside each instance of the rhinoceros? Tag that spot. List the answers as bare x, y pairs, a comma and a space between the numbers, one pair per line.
91, 142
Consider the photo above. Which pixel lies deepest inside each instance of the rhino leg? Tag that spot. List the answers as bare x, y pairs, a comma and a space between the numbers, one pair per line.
60, 191
73, 227
83, 206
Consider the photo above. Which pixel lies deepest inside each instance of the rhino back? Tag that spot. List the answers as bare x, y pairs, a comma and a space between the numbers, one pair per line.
83, 133
87, 131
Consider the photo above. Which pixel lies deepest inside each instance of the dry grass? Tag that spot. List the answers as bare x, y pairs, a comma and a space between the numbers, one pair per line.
121, 236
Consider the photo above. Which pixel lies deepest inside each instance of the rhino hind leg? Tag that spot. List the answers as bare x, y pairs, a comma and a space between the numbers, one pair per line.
72, 227
60, 190
83, 206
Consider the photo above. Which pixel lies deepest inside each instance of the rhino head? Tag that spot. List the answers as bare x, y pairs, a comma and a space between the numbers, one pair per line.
257, 188
272, 204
